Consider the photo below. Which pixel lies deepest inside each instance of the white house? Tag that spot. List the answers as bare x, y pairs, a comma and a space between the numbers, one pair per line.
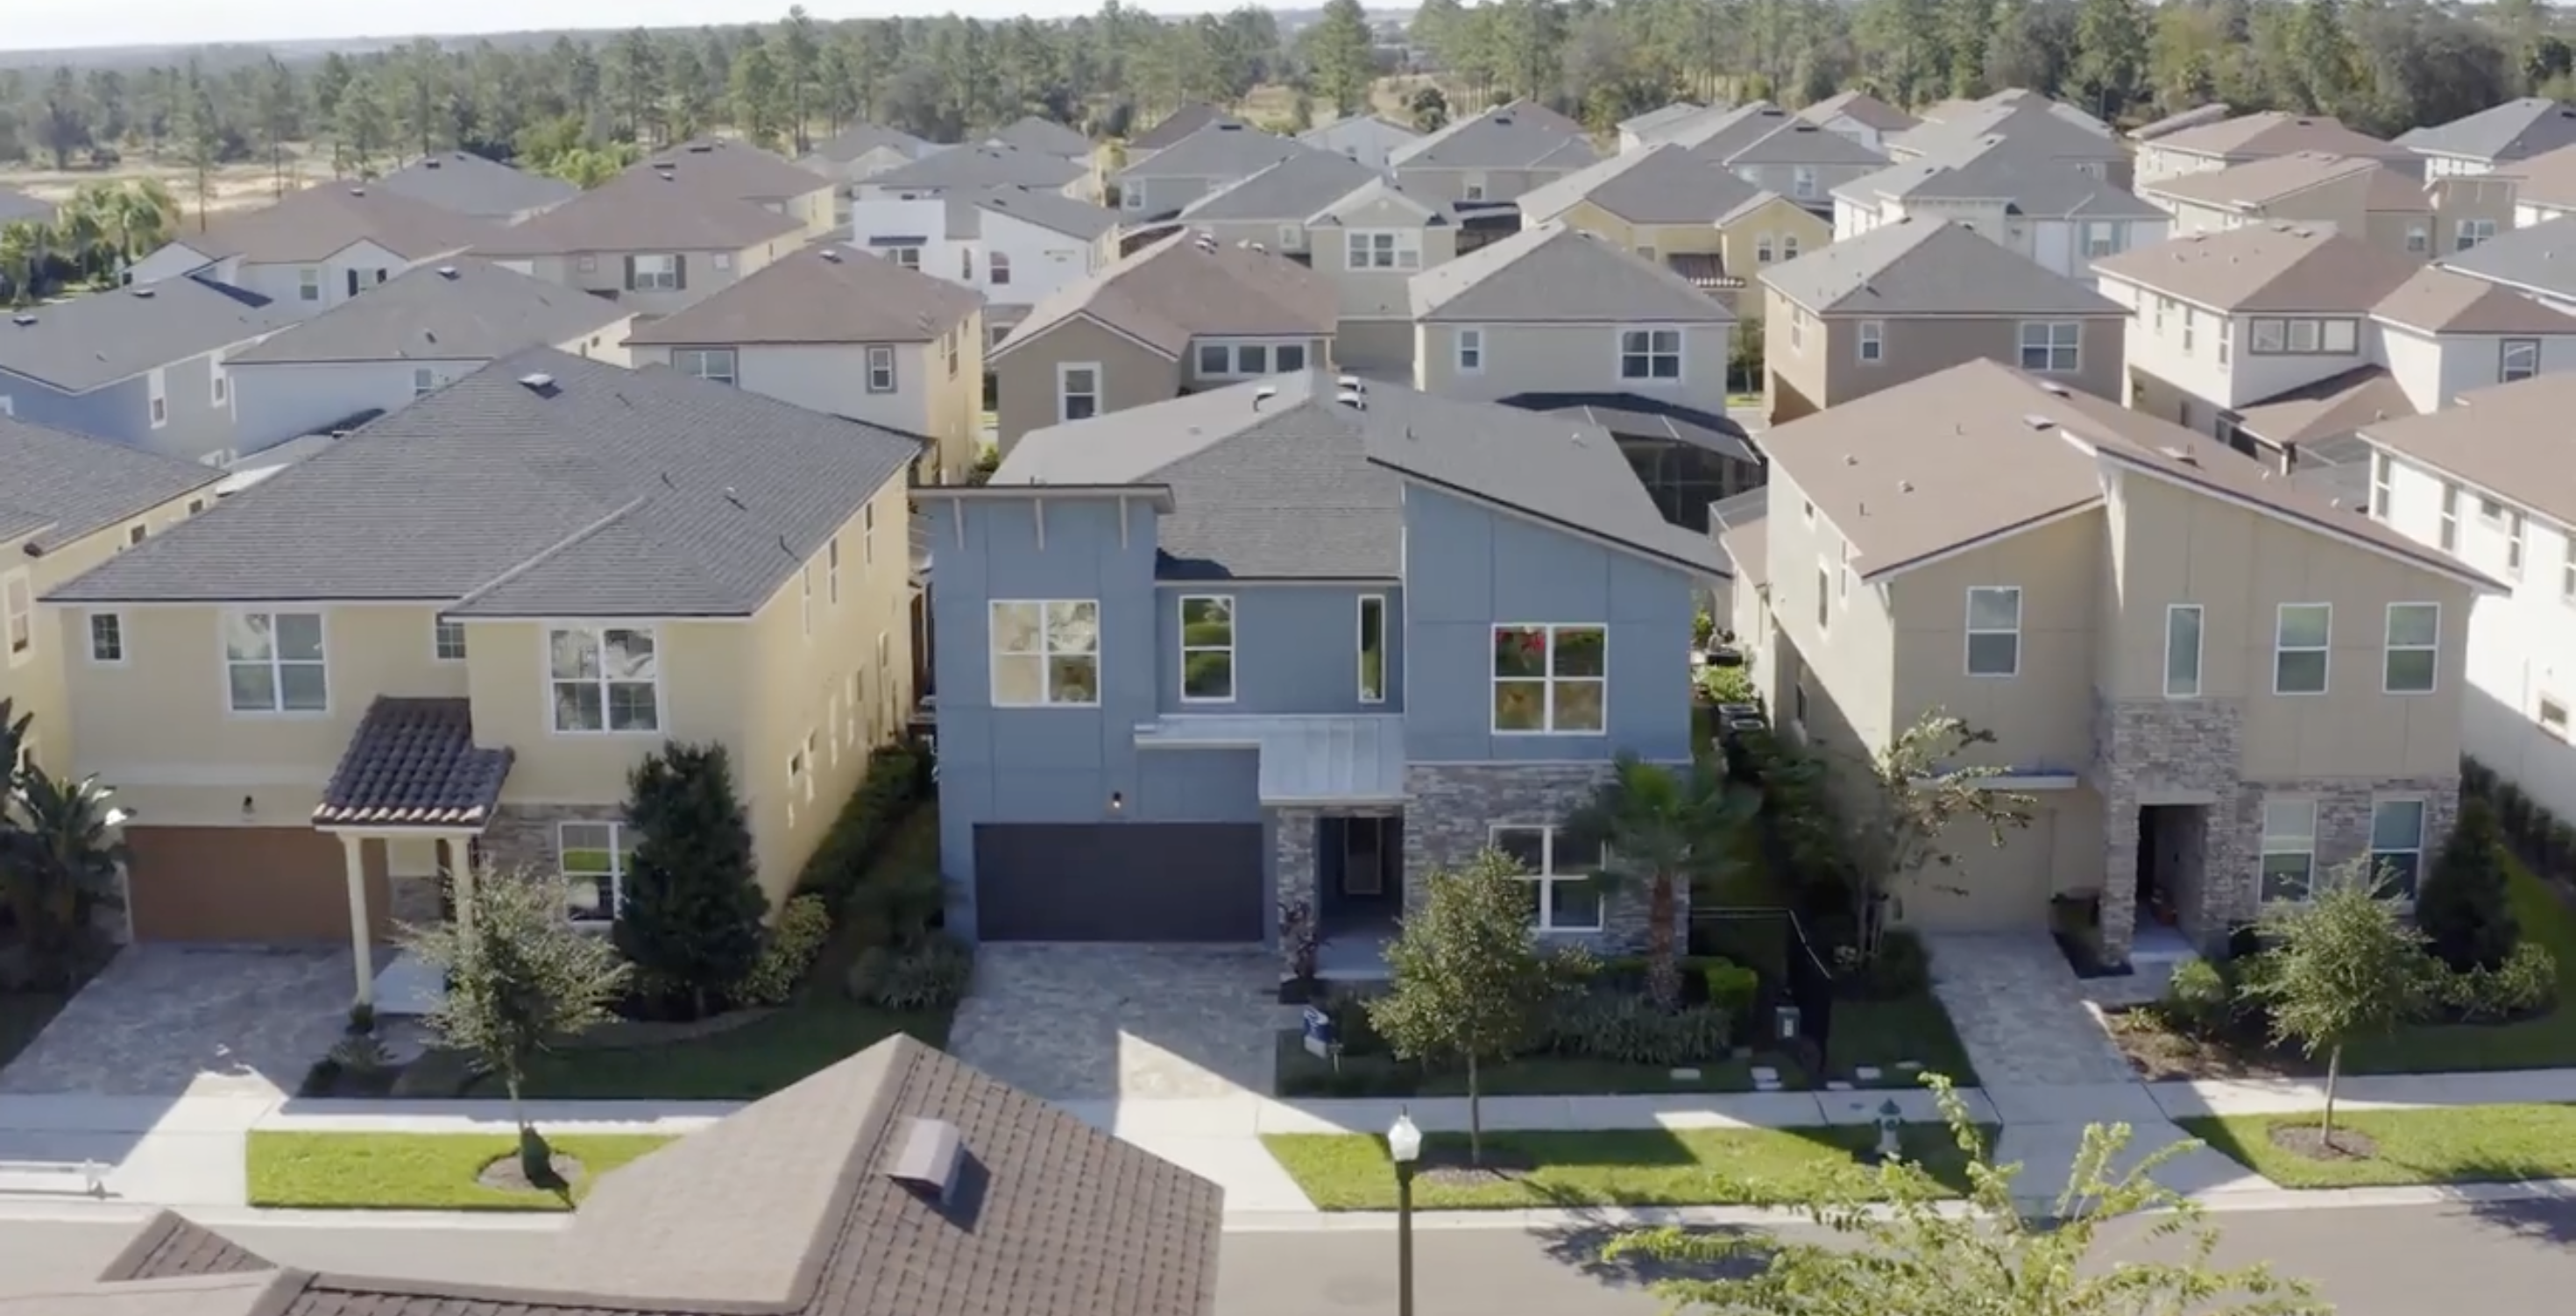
1362, 137
1015, 248
1861, 117
2044, 208
319, 247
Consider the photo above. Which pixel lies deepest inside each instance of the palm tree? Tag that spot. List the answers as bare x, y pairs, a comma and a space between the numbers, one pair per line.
147, 216
59, 857
86, 229
1662, 827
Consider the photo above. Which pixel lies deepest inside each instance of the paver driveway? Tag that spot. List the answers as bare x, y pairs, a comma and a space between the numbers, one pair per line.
192, 1021
2020, 1011
1087, 1022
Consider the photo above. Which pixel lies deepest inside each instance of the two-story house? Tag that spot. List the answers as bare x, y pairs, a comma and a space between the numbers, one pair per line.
739, 171
653, 243
2493, 138
1351, 225
2526, 261
834, 330
406, 340
2214, 686
862, 151
2226, 143
1912, 298
1366, 138
1183, 123
1669, 204
2485, 480
2379, 203
73, 501
468, 184
317, 248
1298, 643
2037, 127
1777, 151
975, 169
1014, 247
1185, 314
1212, 157
456, 631
1493, 156
2041, 207
141, 365
1859, 116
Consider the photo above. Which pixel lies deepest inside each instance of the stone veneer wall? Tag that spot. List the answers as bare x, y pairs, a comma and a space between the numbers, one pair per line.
1456, 805
1296, 834
523, 835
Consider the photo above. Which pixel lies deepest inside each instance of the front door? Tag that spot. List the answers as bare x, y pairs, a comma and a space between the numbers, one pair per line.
1364, 853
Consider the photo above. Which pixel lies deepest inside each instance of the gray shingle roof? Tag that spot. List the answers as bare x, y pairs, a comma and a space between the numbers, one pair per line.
1178, 289
169, 1245
1052, 211
2031, 184
1919, 267
325, 219
2541, 258
1661, 184
860, 138
2274, 132
465, 310
1515, 136
1221, 151
1658, 117
1179, 124
2515, 130
2508, 439
601, 492
1286, 192
468, 184
1278, 479
1794, 142
643, 211
69, 485
981, 167
2267, 267
737, 170
825, 294
1044, 136
94, 340
1552, 273
1861, 108
413, 763
2035, 125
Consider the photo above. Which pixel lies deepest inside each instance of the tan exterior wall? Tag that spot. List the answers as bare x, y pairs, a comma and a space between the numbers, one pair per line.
957, 402
1377, 294
1452, 184
1743, 248
2042, 714
36, 683
1826, 367
1563, 358
1850, 685
1132, 374
2458, 198
607, 273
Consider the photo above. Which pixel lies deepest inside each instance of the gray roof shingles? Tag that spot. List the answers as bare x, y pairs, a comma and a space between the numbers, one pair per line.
1556, 273
1514, 136
2525, 258
2515, 130
821, 295
1220, 151
1928, 267
1184, 122
414, 763
2032, 185
981, 167
323, 220
468, 184
860, 138
465, 310
1286, 192
1045, 137
643, 211
732, 169
169, 1245
69, 485
1048, 210
88, 342
1661, 184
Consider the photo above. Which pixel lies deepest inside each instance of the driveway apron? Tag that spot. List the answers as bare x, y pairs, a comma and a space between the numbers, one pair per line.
2020, 1011
169, 1020
1088, 1022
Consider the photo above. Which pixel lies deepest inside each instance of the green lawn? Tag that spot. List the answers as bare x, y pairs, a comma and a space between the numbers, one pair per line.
1635, 1167
415, 1171
2547, 1042
1303, 1075
2457, 1144
1881, 1033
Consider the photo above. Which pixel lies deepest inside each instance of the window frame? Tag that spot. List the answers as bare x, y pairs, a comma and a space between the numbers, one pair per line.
156, 396
1870, 346
275, 665
1468, 341
2265, 850
619, 852
2447, 519
832, 570
2414, 872
700, 358
1402, 250
424, 381
2383, 483
1045, 653
2505, 352
1546, 879
2390, 649
603, 682
308, 283
2543, 702
1968, 645
1652, 353
881, 376
2199, 648
662, 276
2517, 529
1369, 694
440, 628
2049, 347
2281, 649
1549, 679
1064, 394
116, 628
1188, 650
1237, 351
997, 268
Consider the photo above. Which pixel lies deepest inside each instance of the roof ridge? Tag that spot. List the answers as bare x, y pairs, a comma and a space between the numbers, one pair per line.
557, 549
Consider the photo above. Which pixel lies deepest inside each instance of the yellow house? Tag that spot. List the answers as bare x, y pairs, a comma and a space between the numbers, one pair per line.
1673, 206
67, 503
456, 632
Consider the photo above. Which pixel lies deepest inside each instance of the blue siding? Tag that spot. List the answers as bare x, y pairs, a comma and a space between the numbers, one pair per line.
122, 412
1469, 568
1296, 649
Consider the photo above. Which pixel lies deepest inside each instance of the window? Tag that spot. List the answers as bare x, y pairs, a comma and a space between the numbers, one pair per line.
106, 637
219, 384
587, 262
907, 257
2519, 359
966, 264
2103, 238
273, 662
156, 387
1474, 192
2382, 479
2450, 518
2226, 343
1994, 630
2301, 633
2396, 847
2267, 337
868, 535
1650, 354
424, 381
604, 678
1802, 182
2190, 329
1873, 340
2289, 848
1372, 648
881, 370
2553, 717
1223, 360
1287, 358
1385, 249
715, 363
1762, 249
594, 857
447, 641
1788, 246
1045, 652
652, 273
2182, 651
136, 534
1131, 198
2052, 346
997, 269
805, 599
1207, 649
2413, 650
1550, 680
1077, 392
2162, 304
1471, 351
1798, 331
811, 746
1564, 897
1824, 596
2471, 232
2513, 537
308, 285
2567, 568
948, 352
2419, 237
832, 571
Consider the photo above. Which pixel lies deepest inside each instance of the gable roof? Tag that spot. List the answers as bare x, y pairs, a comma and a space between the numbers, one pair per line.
985, 166
466, 310
1554, 274
860, 138
57, 486
592, 491
2028, 184
1907, 473
1182, 123
2441, 301
2277, 132
2507, 439
822, 294
308, 226
1928, 267
2266, 267
1515, 136
1186, 286
2540, 258
1052, 211
468, 184
1861, 108
1646, 123
1220, 150
1043, 136
2261, 182
1377, 125
2034, 124
2157, 129
1790, 141
2546, 179
647, 211
2515, 130
1282, 479
1660, 184
736, 170
16, 205
87, 342
1285, 192
2325, 408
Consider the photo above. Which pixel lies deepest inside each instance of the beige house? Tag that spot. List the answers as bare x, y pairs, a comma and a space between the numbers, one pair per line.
1668, 204
1914, 298
738, 171
2379, 203
2214, 686
1184, 314
2210, 147
651, 243
456, 631
1348, 223
70, 503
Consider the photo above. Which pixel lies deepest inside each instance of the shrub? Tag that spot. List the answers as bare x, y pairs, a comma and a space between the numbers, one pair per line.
896, 908
1703, 627
1903, 967
2477, 780
1728, 684
886, 793
2562, 843
2524, 984
787, 952
1623, 1028
2463, 909
867, 973
1351, 1023
2198, 1001
2513, 810
1731, 987
691, 913
931, 975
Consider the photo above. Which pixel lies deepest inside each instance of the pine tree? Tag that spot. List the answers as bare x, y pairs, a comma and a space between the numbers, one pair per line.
2462, 908
1344, 55
691, 917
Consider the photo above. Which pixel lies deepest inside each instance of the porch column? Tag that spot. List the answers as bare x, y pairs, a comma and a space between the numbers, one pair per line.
460, 877
361, 943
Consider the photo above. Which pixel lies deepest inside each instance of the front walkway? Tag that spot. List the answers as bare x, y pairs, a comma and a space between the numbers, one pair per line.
1083, 1022
2020, 1011
174, 1020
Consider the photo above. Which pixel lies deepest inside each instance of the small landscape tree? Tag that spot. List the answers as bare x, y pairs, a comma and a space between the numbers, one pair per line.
691, 916
1901, 1243
2463, 910
2342, 966
1661, 828
59, 851
1469, 981
1918, 792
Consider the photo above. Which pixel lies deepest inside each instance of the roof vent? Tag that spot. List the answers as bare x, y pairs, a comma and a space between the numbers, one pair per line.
1263, 394
1351, 384
145, 292
1905, 486
928, 1159
431, 163
2037, 421
539, 381
1352, 398
22, 319
2052, 387
2184, 455
357, 191
447, 271
734, 498
832, 254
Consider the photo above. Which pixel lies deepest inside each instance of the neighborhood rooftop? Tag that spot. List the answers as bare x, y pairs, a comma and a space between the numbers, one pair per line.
734, 169
467, 184
1928, 267
1045, 136
981, 166
1183, 286
2506, 440
2515, 130
2435, 300
2540, 258
1515, 136
461, 310
2266, 267
860, 138
86, 342
312, 225
2276, 132
2258, 183
1181, 124
1286, 192
643, 211
1052, 211
2036, 126
2029, 183
1551, 272
1861, 108
1220, 150
56, 487
544, 484
1662, 184
822, 294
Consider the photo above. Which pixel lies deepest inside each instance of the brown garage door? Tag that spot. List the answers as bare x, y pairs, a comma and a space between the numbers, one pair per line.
247, 884
1118, 882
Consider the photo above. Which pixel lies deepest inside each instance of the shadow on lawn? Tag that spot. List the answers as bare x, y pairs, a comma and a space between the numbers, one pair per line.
1579, 1247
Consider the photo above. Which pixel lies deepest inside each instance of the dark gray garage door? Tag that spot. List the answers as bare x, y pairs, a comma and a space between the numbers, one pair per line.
1118, 882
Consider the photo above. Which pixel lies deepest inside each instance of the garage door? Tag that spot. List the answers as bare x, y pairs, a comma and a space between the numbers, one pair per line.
1987, 889
246, 884
1136, 882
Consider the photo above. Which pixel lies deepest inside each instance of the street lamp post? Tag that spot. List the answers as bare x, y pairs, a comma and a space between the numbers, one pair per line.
1404, 1143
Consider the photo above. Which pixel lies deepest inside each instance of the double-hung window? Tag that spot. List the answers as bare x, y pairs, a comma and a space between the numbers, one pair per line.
712, 363
1873, 340
881, 370
2517, 359
1045, 651
1471, 351
997, 269
18, 614
447, 641
805, 599
2302, 634
106, 638
1802, 182
2103, 238
653, 274
2419, 238
1562, 873
2552, 716
2412, 658
156, 387
1077, 391
2515, 529
594, 858
1222, 360
424, 381
1372, 641
2382, 483
1994, 630
832, 571
2396, 847
1385, 249
2450, 518
1650, 354
1551, 680
2053, 347
2182, 651
2471, 232
1207, 648
273, 662
2289, 863
1762, 249
308, 285
604, 678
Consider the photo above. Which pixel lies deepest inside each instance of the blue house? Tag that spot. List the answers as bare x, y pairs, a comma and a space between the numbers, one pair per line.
140, 365
1296, 642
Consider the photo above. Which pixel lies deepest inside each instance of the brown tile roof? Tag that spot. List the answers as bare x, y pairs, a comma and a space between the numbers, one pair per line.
2259, 183
2266, 267
413, 763
2328, 408
2273, 132
1186, 286
1706, 270
2508, 439
824, 294
2438, 301
169, 1244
